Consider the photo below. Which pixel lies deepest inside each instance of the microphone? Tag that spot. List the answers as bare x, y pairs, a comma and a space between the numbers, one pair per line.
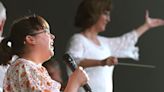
72, 64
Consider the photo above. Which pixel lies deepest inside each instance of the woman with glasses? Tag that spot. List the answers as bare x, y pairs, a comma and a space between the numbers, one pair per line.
98, 54
30, 39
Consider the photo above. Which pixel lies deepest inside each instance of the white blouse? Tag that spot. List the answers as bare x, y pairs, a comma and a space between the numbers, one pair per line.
101, 76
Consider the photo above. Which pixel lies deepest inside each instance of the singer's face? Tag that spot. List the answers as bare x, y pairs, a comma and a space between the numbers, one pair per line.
103, 21
45, 43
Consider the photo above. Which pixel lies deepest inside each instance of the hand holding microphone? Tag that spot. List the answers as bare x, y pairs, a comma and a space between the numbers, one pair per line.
79, 76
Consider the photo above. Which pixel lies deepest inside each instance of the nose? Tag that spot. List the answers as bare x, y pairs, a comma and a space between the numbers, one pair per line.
52, 36
108, 19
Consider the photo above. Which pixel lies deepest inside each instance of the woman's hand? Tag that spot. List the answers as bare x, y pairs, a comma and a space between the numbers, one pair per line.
77, 79
110, 61
149, 23
80, 76
152, 22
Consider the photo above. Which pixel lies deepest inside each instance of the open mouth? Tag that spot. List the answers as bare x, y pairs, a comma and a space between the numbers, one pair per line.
52, 45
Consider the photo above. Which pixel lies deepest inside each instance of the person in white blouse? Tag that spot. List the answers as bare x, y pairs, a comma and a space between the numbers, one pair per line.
2, 22
98, 54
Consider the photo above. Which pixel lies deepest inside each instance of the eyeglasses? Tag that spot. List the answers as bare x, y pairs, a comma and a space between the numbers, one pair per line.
47, 31
36, 33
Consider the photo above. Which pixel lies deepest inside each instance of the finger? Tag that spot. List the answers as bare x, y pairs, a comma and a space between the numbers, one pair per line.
158, 23
114, 61
147, 14
81, 68
87, 77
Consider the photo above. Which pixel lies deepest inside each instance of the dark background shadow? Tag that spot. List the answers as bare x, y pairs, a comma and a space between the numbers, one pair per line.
125, 16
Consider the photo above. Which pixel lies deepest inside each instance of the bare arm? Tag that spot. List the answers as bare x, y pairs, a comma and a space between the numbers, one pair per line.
93, 63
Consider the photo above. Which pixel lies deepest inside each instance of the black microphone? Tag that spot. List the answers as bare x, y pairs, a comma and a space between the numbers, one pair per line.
72, 64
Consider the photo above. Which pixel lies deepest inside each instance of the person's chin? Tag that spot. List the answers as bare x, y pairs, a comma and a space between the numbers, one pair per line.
102, 30
52, 53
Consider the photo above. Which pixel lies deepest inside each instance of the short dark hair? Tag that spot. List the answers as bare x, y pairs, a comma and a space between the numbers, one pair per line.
19, 30
89, 11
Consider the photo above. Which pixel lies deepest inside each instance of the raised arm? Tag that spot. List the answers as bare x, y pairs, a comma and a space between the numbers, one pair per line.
149, 23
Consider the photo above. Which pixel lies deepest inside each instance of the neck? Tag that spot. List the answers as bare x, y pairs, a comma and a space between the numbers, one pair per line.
32, 56
91, 34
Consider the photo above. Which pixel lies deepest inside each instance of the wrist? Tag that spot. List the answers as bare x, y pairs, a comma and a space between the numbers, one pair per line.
73, 82
103, 62
147, 26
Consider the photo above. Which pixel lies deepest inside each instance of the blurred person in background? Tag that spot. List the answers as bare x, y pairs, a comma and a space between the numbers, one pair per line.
54, 71
98, 54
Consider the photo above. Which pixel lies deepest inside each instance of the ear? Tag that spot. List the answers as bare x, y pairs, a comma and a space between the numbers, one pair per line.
30, 40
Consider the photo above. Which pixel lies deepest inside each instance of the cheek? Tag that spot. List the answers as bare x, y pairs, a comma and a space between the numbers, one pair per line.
102, 21
101, 25
44, 44
46, 40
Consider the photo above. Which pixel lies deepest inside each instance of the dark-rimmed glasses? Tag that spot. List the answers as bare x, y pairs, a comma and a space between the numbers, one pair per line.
36, 33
